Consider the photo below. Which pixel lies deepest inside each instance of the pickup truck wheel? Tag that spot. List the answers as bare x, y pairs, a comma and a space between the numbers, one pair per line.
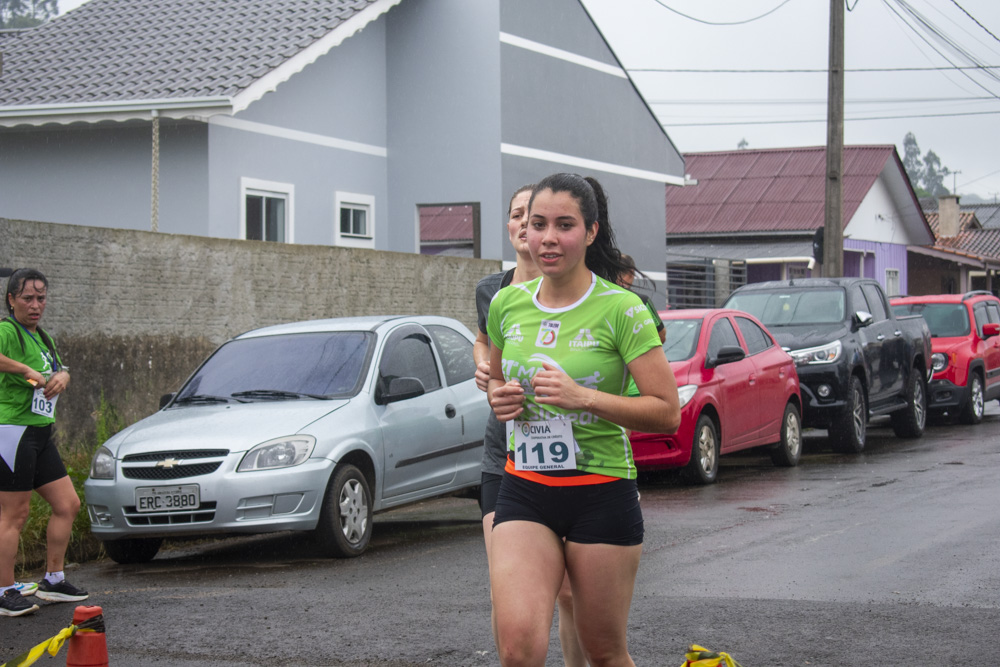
910, 421
787, 452
703, 467
133, 550
973, 411
848, 432
345, 521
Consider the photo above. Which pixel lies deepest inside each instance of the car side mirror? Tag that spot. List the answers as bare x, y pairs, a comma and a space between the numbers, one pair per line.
991, 329
401, 389
863, 319
166, 398
727, 354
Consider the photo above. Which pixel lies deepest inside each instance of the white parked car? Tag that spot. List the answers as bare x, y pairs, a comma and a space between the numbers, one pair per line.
305, 426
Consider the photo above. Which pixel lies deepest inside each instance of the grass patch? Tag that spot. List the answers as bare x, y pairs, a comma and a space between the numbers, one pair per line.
76, 457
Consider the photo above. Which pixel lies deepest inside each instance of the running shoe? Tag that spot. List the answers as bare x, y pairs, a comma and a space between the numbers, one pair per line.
13, 603
26, 588
61, 592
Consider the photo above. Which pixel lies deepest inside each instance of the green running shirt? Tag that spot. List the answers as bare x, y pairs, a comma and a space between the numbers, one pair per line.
591, 341
15, 392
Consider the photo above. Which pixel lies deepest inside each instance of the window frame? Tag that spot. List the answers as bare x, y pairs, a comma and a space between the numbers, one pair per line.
354, 201
895, 275
274, 189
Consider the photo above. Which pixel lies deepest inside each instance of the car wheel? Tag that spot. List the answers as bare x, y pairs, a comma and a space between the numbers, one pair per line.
788, 451
973, 411
345, 522
848, 431
703, 467
911, 420
133, 550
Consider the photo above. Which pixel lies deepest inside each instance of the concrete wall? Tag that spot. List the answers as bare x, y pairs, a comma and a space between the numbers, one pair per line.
133, 313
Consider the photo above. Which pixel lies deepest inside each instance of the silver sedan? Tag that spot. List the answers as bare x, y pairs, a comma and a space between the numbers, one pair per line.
307, 426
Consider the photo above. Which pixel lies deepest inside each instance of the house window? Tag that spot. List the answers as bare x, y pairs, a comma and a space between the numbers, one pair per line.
892, 282
266, 210
354, 225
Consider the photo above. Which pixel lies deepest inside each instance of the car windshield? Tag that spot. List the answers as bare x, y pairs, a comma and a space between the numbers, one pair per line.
286, 367
780, 309
943, 319
682, 338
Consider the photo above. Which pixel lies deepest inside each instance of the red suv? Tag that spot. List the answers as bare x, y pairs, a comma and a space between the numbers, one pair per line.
965, 339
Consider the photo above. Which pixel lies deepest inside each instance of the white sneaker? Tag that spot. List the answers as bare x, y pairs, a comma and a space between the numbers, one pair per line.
26, 588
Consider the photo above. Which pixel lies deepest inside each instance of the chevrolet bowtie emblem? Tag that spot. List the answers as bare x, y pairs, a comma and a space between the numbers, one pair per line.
167, 463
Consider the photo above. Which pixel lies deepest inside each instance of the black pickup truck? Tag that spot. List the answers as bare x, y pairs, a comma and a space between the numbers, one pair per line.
855, 358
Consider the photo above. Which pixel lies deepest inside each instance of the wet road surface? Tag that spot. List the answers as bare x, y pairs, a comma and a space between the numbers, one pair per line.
888, 557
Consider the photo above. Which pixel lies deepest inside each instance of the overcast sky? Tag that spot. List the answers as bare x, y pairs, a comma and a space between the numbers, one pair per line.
715, 111
708, 111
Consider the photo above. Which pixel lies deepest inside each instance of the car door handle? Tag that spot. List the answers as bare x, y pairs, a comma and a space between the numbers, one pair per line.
753, 379
899, 333
880, 337
449, 411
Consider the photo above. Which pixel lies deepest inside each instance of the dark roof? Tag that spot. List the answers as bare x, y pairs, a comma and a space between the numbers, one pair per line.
781, 189
121, 50
987, 214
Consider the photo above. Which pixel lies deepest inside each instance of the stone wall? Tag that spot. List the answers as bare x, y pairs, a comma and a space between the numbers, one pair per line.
134, 313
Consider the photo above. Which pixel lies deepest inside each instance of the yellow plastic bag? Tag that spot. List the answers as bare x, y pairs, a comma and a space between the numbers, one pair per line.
699, 656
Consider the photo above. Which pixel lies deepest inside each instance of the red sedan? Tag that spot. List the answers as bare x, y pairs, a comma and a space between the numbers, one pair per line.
738, 389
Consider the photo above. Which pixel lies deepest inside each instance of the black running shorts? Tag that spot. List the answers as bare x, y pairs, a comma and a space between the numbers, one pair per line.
36, 463
605, 513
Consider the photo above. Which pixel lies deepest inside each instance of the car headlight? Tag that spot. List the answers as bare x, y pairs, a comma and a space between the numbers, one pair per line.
939, 362
686, 393
278, 453
103, 465
823, 354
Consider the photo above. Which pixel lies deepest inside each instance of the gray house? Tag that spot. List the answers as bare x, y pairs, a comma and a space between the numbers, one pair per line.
330, 122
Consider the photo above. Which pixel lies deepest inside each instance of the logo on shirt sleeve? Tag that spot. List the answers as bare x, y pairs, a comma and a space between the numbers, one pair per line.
548, 333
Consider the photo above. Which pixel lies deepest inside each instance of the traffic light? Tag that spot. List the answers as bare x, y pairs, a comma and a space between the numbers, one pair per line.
818, 245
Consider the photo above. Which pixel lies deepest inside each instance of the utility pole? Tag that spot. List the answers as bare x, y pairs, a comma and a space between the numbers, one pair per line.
954, 182
833, 223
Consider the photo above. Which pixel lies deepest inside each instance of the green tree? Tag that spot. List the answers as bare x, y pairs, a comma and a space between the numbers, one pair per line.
934, 173
912, 163
26, 13
926, 173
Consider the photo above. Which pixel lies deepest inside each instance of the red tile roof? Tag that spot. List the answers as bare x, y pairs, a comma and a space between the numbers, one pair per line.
780, 189
983, 243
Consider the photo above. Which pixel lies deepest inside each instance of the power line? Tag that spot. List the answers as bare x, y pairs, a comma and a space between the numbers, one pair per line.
947, 68
974, 20
692, 18
796, 121
777, 102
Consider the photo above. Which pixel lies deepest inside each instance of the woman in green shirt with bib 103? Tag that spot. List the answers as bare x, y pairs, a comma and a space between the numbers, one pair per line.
32, 378
563, 347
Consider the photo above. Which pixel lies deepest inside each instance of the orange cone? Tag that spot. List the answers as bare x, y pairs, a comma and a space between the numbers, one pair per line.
88, 649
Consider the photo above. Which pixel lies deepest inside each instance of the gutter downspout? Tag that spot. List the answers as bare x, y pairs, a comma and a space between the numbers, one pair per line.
155, 204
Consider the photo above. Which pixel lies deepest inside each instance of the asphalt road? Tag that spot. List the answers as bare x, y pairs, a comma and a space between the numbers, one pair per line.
890, 557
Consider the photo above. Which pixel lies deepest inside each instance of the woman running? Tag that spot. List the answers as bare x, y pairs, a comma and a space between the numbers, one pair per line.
495, 441
564, 346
